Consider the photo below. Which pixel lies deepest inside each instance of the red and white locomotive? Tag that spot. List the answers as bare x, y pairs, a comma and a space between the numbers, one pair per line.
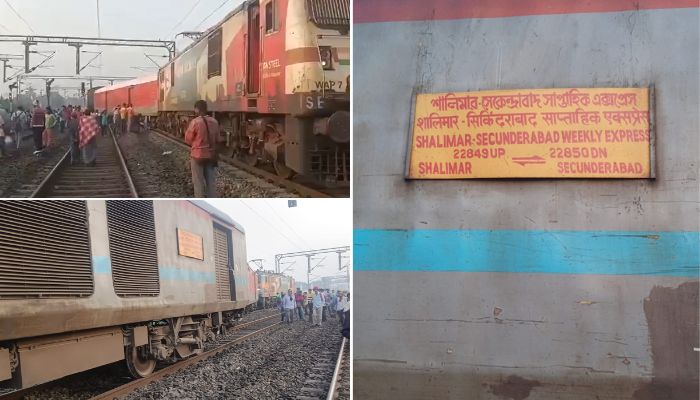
275, 73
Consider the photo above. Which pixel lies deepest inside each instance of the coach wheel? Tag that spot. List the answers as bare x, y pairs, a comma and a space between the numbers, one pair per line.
282, 170
138, 365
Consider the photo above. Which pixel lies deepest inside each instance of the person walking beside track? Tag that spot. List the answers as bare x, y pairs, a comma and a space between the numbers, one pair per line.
19, 121
280, 305
3, 131
346, 318
129, 117
122, 118
88, 138
310, 305
340, 306
326, 304
74, 137
203, 137
116, 122
104, 122
334, 304
49, 132
289, 306
318, 307
67, 113
299, 299
38, 126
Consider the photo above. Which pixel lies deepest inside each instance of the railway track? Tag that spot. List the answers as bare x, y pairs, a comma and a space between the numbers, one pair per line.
340, 385
323, 379
109, 178
295, 187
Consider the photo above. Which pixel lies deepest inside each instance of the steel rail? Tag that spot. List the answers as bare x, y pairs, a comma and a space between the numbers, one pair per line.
336, 372
45, 182
45, 186
125, 168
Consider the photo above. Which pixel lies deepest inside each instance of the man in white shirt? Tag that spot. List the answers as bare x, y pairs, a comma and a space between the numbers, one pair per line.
289, 305
19, 123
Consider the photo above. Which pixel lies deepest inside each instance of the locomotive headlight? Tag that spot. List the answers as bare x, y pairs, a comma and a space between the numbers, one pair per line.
326, 57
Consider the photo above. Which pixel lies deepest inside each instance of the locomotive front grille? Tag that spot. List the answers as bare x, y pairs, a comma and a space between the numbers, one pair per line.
132, 247
44, 249
329, 13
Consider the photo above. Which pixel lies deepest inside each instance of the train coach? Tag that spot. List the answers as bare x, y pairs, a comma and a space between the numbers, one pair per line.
538, 288
141, 93
276, 75
87, 283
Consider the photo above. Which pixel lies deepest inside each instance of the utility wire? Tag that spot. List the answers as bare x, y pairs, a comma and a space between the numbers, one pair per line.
207, 17
19, 16
287, 225
172, 30
271, 225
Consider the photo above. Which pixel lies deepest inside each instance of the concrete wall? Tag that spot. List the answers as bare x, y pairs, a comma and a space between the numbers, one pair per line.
521, 289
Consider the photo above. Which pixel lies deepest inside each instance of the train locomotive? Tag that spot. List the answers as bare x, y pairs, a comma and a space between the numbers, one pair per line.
276, 75
87, 283
271, 284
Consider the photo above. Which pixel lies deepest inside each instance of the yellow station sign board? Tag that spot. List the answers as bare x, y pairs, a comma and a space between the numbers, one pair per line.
532, 133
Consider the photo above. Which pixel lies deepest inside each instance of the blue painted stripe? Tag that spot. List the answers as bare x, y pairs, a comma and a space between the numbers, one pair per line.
101, 265
183, 274
553, 252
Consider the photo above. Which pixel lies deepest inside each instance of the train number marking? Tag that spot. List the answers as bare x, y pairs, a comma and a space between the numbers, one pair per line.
330, 85
313, 102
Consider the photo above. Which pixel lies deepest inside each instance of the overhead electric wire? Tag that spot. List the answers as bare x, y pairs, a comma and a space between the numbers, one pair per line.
207, 17
287, 225
19, 16
271, 225
172, 30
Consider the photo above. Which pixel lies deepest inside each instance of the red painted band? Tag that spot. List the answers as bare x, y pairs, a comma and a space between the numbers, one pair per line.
366, 11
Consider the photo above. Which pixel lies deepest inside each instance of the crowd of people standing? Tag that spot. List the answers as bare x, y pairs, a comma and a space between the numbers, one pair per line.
317, 306
203, 135
82, 125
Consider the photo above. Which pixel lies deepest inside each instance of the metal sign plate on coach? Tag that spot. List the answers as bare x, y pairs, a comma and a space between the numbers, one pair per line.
532, 133
190, 245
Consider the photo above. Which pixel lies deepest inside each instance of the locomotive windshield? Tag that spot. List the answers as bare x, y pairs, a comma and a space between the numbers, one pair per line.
330, 14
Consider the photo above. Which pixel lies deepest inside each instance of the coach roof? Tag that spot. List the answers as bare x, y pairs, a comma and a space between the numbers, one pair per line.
217, 213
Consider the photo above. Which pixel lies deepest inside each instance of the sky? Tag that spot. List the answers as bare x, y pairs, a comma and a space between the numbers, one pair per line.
273, 228
121, 19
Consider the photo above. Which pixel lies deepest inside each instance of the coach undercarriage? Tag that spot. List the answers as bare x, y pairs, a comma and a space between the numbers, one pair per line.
308, 148
141, 346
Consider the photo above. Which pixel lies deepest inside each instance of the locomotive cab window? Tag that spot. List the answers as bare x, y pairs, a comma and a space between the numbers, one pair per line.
271, 24
214, 48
